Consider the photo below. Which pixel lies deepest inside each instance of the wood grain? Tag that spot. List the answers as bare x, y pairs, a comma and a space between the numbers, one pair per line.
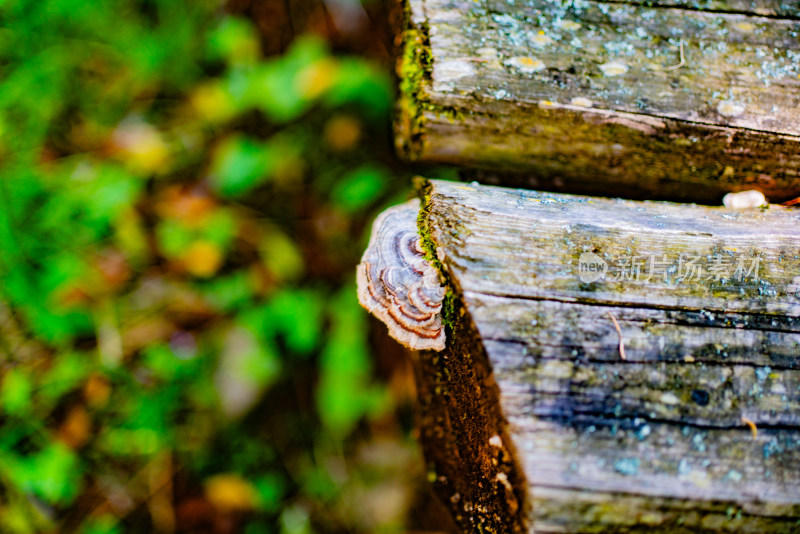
590, 96
657, 440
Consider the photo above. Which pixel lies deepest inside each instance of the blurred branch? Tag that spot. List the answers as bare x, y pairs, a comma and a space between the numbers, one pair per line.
348, 15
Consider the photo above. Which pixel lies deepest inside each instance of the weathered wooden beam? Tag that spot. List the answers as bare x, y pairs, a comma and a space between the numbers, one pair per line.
664, 400
668, 99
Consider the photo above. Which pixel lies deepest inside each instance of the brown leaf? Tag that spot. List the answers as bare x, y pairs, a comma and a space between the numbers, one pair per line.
76, 428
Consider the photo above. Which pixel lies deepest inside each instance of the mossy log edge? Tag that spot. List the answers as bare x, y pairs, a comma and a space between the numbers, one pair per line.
569, 128
477, 425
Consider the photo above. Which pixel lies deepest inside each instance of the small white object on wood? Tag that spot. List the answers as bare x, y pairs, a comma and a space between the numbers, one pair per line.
744, 200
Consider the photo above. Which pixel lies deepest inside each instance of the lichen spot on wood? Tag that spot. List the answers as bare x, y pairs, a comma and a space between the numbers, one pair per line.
569, 25
397, 284
487, 52
540, 39
730, 108
614, 68
449, 71
581, 101
525, 64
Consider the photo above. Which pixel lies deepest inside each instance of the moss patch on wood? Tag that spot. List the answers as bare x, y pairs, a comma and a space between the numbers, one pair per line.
451, 307
414, 66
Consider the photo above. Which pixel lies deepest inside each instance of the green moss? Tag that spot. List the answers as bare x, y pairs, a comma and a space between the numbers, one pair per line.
451, 307
451, 113
415, 67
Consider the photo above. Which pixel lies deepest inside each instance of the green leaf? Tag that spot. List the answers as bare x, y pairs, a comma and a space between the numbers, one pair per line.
165, 364
267, 89
127, 442
16, 392
105, 524
57, 474
271, 488
53, 474
68, 372
345, 392
227, 293
295, 520
234, 40
147, 419
220, 228
280, 255
241, 164
360, 188
362, 83
101, 192
174, 238
261, 366
297, 314
286, 87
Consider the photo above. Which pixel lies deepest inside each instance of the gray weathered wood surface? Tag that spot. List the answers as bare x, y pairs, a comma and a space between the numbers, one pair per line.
588, 95
653, 441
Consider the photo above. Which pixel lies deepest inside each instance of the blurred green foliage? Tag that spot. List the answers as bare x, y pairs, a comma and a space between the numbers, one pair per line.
180, 345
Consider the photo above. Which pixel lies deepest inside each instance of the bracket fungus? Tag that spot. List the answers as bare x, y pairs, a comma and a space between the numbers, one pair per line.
397, 284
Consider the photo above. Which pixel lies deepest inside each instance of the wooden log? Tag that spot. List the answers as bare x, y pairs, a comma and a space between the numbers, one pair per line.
665, 400
670, 99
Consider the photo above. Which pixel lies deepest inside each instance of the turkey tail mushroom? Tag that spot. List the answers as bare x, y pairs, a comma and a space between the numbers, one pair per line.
397, 284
